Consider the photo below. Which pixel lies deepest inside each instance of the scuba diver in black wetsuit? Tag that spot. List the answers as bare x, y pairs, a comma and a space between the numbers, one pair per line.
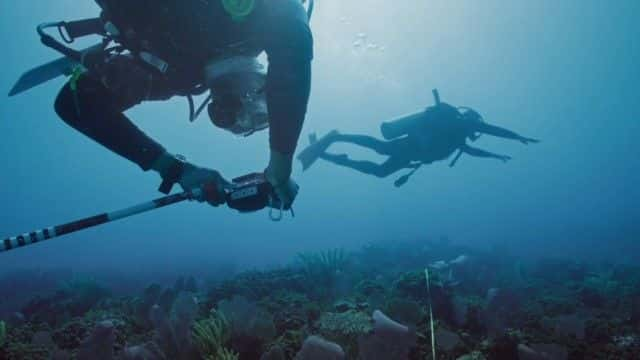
414, 140
167, 48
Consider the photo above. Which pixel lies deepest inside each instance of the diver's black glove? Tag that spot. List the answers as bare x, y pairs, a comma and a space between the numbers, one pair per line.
278, 174
174, 169
212, 184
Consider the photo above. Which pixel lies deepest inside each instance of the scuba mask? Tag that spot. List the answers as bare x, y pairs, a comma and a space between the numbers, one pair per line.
238, 98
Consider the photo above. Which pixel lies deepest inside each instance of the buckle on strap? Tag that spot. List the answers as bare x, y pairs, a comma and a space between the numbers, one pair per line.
154, 61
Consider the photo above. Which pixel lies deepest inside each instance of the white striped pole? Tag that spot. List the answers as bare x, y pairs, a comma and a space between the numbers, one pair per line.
37, 236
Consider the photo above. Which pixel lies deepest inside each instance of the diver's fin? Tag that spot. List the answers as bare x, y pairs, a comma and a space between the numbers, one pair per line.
47, 72
42, 74
316, 147
404, 178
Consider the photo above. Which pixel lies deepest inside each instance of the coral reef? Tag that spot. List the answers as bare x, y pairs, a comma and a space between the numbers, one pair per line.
3, 332
211, 335
173, 329
99, 345
363, 305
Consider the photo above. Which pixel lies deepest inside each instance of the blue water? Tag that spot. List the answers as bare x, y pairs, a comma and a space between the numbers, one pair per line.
565, 72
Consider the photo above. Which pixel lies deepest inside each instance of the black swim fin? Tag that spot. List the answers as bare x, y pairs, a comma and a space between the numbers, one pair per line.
316, 148
47, 72
404, 178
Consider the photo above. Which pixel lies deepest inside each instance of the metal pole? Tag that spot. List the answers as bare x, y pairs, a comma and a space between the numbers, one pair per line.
74, 226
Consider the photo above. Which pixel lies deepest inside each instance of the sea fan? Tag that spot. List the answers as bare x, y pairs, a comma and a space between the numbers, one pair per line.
210, 335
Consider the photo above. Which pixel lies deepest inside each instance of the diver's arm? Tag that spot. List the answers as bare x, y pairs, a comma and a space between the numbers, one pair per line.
503, 133
289, 47
483, 153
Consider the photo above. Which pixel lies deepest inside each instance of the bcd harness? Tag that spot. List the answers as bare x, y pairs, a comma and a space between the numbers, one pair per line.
116, 41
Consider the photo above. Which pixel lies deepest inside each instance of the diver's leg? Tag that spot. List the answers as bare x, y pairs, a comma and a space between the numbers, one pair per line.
503, 133
483, 153
98, 113
367, 167
379, 146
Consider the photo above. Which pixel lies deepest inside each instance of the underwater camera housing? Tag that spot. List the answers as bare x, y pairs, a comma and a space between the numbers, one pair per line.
251, 193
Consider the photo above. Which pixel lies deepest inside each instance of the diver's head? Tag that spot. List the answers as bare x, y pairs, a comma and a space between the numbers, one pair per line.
239, 101
470, 115
471, 119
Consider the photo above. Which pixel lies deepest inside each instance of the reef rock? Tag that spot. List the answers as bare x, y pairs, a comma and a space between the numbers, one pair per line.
542, 352
476, 355
566, 325
247, 319
316, 348
63, 355
344, 306
43, 339
275, 353
405, 311
16, 319
447, 340
99, 345
388, 341
138, 353
635, 311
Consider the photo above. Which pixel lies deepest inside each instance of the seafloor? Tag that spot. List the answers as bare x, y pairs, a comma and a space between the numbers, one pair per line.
368, 304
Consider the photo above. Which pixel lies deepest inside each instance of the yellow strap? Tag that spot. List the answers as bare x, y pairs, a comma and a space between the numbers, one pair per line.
75, 76
78, 71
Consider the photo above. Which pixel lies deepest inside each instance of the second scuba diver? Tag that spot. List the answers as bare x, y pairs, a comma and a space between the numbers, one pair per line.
169, 48
414, 140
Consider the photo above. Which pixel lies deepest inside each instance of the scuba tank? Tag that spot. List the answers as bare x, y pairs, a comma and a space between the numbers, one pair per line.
406, 124
402, 125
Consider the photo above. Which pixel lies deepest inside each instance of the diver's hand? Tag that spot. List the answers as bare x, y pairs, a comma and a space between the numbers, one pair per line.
286, 192
212, 184
504, 158
278, 174
528, 141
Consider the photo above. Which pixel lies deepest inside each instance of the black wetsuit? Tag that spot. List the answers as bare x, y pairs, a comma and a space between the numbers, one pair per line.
433, 137
187, 34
